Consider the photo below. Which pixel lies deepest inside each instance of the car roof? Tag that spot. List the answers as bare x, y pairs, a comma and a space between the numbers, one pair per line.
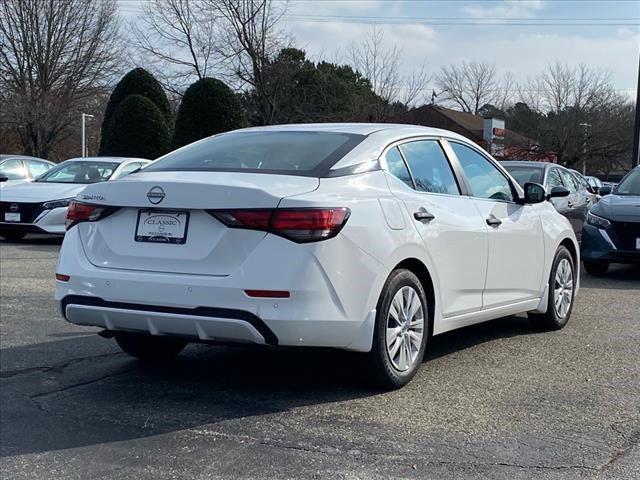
26, 157
107, 159
351, 128
528, 163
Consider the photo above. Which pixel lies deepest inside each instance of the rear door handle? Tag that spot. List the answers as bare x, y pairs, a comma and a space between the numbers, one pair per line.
492, 221
423, 215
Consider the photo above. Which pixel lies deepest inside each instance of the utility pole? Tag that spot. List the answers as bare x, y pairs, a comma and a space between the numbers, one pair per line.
584, 148
635, 159
84, 143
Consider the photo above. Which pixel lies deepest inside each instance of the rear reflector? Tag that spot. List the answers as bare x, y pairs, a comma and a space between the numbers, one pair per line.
297, 224
62, 278
267, 293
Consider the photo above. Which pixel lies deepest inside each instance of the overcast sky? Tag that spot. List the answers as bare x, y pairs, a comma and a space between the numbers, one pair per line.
319, 27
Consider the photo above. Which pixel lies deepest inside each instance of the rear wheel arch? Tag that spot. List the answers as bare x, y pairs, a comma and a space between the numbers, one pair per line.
420, 270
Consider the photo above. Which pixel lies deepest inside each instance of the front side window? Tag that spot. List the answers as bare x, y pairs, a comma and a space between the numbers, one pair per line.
13, 169
303, 153
37, 168
553, 179
430, 167
397, 167
569, 181
485, 180
79, 172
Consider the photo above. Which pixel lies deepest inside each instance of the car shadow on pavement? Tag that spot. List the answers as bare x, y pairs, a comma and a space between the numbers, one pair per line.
111, 397
625, 277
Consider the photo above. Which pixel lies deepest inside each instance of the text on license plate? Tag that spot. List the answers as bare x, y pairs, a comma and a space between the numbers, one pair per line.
162, 226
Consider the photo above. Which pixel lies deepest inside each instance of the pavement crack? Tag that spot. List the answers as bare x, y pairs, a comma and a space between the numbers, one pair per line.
79, 384
53, 368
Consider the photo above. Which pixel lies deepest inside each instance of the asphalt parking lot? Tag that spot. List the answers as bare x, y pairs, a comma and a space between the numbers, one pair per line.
499, 400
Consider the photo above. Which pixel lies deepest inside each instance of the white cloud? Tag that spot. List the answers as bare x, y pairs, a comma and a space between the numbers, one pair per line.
507, 9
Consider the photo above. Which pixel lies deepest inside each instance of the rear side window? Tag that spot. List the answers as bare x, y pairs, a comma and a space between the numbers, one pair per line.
37, 168
430, 167
284, 152
397, 167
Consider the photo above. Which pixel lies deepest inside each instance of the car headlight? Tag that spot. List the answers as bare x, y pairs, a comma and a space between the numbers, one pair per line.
597, 221
57, 203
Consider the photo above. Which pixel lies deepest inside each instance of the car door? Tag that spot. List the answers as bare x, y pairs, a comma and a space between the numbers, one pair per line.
516, 245
576, 207
454, 235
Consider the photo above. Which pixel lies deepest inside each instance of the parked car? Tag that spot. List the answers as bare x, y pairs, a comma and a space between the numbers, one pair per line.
595, 183
612, 231
21, 168
585, 187
41, 206
362, 237
574, 206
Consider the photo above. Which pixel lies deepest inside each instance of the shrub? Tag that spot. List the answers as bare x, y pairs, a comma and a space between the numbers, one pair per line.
137, 129
208, 107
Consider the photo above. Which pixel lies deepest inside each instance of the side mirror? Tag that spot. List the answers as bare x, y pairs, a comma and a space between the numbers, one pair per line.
558, 192
3, 178
534, 193
604, 191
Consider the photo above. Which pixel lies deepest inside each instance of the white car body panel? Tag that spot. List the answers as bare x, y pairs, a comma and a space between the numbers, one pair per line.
197, 289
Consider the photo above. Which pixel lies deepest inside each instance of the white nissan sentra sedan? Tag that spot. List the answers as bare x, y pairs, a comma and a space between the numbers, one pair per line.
370, 238
41, 206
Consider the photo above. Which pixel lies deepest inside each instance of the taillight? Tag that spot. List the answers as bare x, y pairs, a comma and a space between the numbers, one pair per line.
300, 225
83, 212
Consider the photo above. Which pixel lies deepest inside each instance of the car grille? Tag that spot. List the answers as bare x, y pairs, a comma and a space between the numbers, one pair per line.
28, 211
625, 235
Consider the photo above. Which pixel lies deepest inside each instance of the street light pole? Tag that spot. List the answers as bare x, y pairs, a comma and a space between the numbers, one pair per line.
584, 148
635, 158
84, 143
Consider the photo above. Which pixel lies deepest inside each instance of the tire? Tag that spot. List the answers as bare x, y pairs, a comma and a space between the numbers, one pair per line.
12, 236
395, 366
596, 267
562, 282
149, 348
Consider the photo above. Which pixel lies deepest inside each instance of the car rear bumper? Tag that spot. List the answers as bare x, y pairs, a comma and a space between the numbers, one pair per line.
327, 307
598, 245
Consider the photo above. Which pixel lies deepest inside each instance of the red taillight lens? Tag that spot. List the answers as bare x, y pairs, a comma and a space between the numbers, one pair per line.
297, 224
82, 212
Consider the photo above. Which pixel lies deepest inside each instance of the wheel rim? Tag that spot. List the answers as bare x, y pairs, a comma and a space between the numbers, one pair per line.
405, 328
563, 288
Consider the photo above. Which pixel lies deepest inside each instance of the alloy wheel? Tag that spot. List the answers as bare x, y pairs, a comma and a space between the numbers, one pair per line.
563, 288
405, 328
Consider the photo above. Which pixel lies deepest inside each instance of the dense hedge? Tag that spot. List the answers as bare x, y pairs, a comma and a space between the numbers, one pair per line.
137, 82
137, 129
208, 107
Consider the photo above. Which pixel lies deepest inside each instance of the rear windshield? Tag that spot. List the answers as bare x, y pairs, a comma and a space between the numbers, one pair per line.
294, 153
524, 174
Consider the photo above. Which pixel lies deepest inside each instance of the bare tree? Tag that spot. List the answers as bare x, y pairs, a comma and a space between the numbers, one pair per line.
250, 38
469, 85
54, 57
176, 39
382, 67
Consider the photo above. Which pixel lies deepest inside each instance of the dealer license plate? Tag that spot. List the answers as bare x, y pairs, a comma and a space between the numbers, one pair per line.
162, 226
